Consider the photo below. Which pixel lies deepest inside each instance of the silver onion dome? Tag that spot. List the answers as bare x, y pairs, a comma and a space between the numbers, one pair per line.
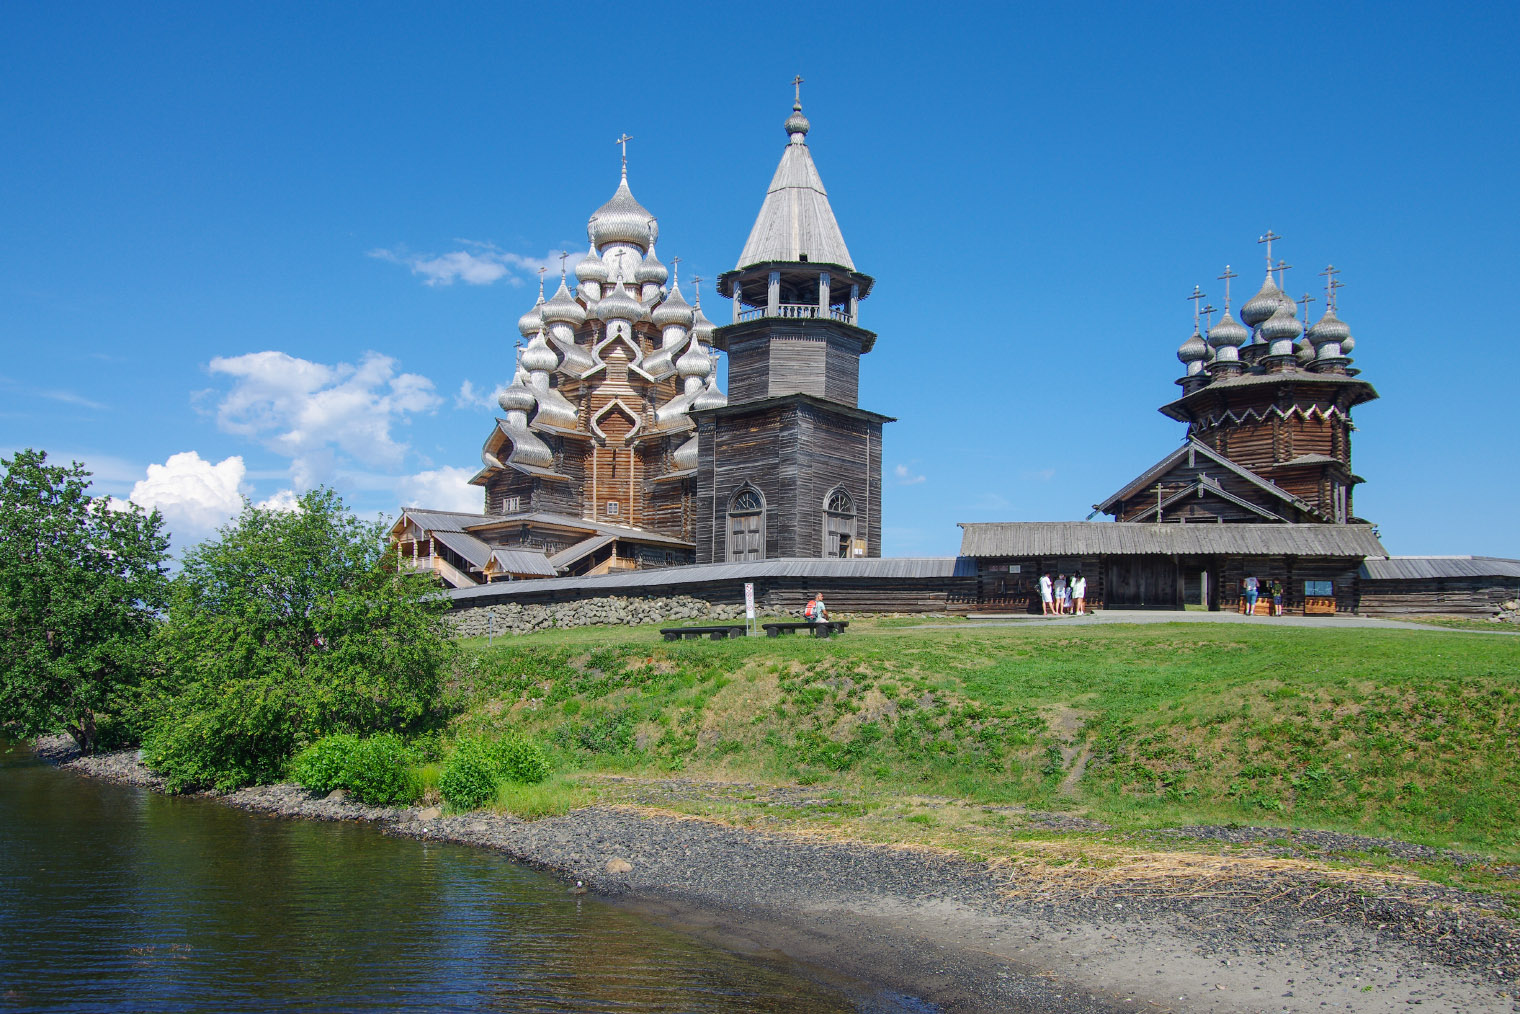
695, 362
618, 305
1281, 326
1329, 328
1304, 351
797, 123
516, 398
621, 220
1347, 344
592, 268
538, 357
1193, 350
710, 397
701, 328
563, 307
1262, 305
1228, 332
651, 270
529, 323
674, 311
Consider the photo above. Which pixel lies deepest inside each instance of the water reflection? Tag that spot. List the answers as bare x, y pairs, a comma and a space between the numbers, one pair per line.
114, 898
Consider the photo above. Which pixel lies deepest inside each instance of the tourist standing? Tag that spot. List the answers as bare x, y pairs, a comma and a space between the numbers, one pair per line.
1277, 597
1252, 587
1060, 594
1045, 593
1079, 592
1069, 594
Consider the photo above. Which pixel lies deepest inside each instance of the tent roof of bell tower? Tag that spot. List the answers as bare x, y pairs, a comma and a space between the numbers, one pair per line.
796, 222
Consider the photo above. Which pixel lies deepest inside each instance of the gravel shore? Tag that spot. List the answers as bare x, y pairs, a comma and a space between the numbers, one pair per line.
969, 936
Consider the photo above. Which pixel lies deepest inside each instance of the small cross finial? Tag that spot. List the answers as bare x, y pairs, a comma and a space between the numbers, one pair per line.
1306, 301
675, 271
541, 269
623, 143
797, 84
696, 289
1228, 274
1331, 284
1282, 266
1195, 297
563, 254
1267, 239
1208, 311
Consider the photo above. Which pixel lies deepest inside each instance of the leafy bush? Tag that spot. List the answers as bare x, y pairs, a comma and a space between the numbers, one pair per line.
325, 764
301, 612
520, 760
469, 777
376, 770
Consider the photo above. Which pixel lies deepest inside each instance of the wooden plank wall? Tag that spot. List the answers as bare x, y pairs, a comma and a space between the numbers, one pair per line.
1458, 596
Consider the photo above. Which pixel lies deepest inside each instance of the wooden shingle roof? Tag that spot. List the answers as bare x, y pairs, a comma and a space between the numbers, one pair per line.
1116, 538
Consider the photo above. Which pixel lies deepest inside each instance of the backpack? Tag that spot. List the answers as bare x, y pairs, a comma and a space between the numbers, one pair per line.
812, 606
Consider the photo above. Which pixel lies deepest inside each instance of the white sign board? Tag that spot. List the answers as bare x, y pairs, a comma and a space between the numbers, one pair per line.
749, 601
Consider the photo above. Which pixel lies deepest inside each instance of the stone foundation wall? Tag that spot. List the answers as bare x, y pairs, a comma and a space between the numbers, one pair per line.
524, 618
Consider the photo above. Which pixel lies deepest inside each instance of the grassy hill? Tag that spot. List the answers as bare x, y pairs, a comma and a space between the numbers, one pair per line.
1401, 733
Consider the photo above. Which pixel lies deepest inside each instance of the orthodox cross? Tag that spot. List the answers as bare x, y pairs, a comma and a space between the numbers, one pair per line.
675, 271
1282, 266
1306, 301
563, 254
1331, 284
541, 270
696, 289
620, 266
623, 142
1195, 297
1209, 310
1267, 239
797, 84
1228, 274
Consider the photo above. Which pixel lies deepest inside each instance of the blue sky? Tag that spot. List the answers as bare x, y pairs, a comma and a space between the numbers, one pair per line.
250, 247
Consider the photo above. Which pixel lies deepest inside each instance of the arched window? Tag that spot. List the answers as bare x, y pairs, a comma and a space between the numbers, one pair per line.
838, 524
746, 525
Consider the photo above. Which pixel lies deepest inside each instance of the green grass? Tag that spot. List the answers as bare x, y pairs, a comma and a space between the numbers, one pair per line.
1465, 623
1402, 733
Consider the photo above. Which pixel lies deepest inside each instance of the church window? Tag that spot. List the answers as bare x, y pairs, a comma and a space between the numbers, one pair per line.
511, 504
746, 525
614, 508
838, 524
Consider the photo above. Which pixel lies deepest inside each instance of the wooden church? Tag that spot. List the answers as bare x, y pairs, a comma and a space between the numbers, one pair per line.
1262, 485
616, 449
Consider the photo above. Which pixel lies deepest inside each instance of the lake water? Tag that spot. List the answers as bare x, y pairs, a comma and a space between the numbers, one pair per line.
120, 899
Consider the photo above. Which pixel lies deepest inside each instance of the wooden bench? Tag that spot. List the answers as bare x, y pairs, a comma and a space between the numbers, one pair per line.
823, 629
717, 632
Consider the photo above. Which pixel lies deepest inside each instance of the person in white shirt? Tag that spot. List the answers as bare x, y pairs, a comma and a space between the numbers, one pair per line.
1045, 594
1079, 592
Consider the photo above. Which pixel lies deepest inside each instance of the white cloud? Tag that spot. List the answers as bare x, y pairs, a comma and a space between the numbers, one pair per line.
471, 398
310, 411
285, 500
446, 488
481, 264
905, 476
194, 496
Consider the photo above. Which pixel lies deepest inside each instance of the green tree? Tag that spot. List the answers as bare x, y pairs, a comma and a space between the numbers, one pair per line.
82, 581
292, 625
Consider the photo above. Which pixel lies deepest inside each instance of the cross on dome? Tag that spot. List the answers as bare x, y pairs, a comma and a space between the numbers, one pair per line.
1228, 274
622, 142
1267, 239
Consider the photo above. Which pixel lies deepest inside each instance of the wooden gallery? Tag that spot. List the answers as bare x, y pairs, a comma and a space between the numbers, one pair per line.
617, 452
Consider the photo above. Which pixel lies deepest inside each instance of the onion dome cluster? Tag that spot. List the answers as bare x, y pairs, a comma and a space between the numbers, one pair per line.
620, 290
1267, 337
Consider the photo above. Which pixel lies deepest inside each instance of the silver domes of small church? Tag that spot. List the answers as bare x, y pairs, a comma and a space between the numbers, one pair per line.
1272, 395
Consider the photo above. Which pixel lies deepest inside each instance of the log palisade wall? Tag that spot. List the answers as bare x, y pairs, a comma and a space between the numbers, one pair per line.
1459, 596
